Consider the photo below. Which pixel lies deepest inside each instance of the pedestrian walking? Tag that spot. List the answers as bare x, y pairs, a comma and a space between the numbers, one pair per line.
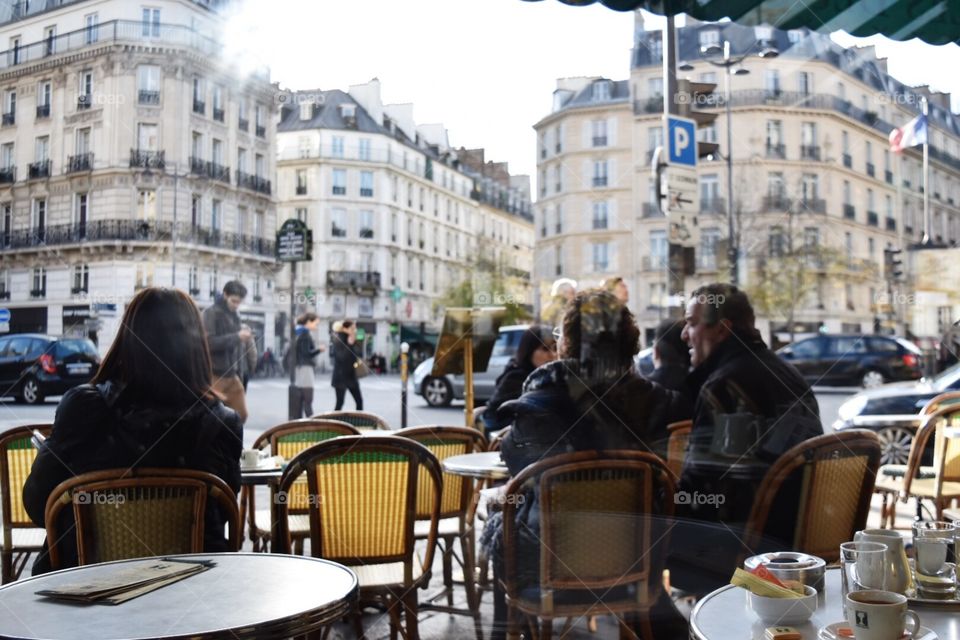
225, 338
345, 364
305, 355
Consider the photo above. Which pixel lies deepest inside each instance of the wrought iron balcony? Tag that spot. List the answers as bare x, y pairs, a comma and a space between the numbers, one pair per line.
243, 124
873, 219
354, 281
39, 169
147, 159
9, 118
809, 152
848, 161
888, 176
254, 183
148, 97
84, 102
301, 190
776, 202
261, 131
599, 141
80, 162
8, 175
812, 205
849, 212
43, 111
199, 106
776, 150
713, 205
598, 181
218, 114
891, 224
209, 169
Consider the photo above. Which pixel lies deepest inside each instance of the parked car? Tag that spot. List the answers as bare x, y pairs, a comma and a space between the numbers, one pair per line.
34, 366
442, 390
845, 359
892, 411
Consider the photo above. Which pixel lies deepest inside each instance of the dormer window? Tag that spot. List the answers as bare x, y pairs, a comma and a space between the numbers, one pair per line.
601, 90
763, 33
306, 110
709, 38
348, 110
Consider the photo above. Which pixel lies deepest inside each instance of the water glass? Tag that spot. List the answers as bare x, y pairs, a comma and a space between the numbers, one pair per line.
937, 529
863, 567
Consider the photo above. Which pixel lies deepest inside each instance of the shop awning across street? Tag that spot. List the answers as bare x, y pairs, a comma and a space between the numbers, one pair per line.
933, 21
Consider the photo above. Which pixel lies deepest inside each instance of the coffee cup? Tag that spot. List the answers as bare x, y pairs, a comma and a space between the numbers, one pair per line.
250, 457
931, 555
880, 615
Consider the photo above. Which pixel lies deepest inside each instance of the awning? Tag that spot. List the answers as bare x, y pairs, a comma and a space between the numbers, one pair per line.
933, 21
412, 335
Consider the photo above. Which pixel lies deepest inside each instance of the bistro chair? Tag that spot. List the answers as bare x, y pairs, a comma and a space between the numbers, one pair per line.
21, 536
945, 399
363, 511
456, 503
362, 420
138, 513
834, 474
287, 440
679, 438
891, 480
944, 486
604, 530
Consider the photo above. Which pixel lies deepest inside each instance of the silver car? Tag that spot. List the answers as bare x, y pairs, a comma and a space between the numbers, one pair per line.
441, 391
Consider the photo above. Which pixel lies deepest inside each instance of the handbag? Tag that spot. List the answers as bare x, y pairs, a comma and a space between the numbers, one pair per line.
361, 369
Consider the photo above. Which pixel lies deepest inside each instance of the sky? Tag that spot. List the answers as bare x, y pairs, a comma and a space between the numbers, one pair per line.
486, 69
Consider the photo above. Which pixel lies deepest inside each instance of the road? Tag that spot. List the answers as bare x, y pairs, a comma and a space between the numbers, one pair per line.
267, 402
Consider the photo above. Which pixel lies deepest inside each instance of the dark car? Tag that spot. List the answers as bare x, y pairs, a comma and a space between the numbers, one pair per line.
33, 366
845, 359
892, 411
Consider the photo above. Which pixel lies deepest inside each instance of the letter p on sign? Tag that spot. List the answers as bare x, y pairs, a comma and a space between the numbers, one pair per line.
681, 139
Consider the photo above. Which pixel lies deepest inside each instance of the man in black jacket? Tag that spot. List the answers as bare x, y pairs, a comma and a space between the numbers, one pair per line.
227, 341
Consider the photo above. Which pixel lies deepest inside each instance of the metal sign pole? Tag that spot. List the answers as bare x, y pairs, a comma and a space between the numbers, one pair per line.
468, 376
293, 394
404, 354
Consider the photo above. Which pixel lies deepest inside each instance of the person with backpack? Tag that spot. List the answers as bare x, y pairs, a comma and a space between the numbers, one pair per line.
304, 352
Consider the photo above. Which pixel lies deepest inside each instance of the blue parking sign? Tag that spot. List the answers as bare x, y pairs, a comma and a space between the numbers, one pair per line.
681, 141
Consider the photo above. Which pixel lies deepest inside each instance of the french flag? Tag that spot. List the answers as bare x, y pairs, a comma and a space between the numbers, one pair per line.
909, 135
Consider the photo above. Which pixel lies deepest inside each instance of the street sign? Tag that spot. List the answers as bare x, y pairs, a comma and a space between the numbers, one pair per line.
4, 315
396, 294
4, 327
681, 142
294, 241
683, 192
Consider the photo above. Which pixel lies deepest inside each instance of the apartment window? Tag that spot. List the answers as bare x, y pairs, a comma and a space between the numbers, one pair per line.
243, 220
409, 231
258, 114
366, 186
257, 230
339, 182
600, 216
366, 225
558, 260
655, 87
338, 223
91, 23
15, 50
707, 133
49, 40
216, 216
810, 186
243, 121
306, 110
422, 236
199, 95
259, 165
302, 182
600, 173
196, 145
601, 257
599, 129
241, 159
848, 294
394, 188
9, 107
771, 82
39, 282
847, 193
708, 247
80, 208
39, 222
148, 84
363, 150
777, 241
601, 90
218, 112
216, 148
81, 279
709, 38
336, 146
804, 83
808, 140
85, 90
144, 277
394, 227
151, 22
775, 138
558, 136
710, 193
422, 272
775, 185
301, 213
658, 249
44, 93
422, 198
42, 149
147, 205
196, 211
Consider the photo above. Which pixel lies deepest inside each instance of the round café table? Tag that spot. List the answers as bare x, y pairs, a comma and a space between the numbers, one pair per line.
245, 596
725, 614
485, 465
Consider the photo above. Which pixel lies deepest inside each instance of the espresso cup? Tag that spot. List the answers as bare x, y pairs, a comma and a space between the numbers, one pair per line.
250, 457
880, 615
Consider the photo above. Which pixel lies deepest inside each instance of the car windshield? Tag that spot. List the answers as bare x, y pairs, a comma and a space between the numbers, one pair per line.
946, 378
909, 346
71, 347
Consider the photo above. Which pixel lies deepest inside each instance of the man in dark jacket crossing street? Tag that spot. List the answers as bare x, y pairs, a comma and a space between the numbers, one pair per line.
227, 341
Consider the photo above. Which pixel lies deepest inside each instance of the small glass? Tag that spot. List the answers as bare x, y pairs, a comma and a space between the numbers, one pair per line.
863, 566
935, 559
937, 529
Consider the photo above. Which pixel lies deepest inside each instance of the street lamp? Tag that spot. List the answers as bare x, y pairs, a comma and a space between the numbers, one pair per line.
731, 64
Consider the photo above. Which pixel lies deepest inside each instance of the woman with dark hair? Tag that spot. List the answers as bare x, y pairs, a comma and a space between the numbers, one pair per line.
304, 361
345, 364
537, 347
151, 404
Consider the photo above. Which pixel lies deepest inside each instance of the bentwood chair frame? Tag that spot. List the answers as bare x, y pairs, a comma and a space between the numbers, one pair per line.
943, 425
21, 536
288, 439
838, 471
602, 514
456, 510
677, 443
892, 481
945, 399
362, 420
136, 513
363, 511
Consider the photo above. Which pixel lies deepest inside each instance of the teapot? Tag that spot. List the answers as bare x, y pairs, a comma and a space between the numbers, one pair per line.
898, 577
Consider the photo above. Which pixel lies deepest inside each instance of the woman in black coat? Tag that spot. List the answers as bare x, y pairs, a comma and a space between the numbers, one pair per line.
345, 364
537, 347
151, 404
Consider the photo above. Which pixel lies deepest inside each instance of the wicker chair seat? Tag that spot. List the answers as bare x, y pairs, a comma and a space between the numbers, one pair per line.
382, 575
900, 470
927, 488
299, 524
445, 527
27, 538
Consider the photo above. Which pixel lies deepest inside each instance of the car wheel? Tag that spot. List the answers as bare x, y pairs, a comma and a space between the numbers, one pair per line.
871, 379
30, 391
895, 445
437, 392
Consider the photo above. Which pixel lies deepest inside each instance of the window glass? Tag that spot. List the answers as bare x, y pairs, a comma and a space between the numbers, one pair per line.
3, 346
879, 345
71, 347
847, 345
36, 348
18, 347
806, 348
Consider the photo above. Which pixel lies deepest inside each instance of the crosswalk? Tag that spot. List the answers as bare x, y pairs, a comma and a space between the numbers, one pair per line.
372, 383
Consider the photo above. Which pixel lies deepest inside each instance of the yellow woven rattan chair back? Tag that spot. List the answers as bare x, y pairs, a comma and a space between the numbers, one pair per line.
362, 420
677, 441
837, 474
21, 536
120, 514
443, 442
604, 523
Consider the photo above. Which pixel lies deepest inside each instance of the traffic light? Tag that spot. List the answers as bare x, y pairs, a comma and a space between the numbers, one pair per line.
892, 266
693, 96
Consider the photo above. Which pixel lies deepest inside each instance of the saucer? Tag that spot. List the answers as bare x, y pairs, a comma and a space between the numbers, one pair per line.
271, 463
829, 632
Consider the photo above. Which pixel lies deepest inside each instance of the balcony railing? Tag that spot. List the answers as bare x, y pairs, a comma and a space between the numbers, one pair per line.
243, 124
4, 295
654, 263
43, 111
255, 183
218, 114
713, 205
849, 212
354, 281
9, 118
848, 161
651, 210
776, 203
80, 162
871, 170
366, 192
148, 97
209, 169
199, 106
809, 152
891, 224
147, 159
599, 141
888, 176
339, 191
812, 205
39, 169
873, 219
598, 181
138, 230
301, 190
261, 131
777, 150
84, 102
8, 175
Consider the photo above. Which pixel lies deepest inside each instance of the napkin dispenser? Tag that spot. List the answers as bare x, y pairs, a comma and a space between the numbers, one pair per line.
791, 565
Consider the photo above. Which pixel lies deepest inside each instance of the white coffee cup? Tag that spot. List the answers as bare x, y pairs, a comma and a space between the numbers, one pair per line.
250, 457
880, 615
931, 555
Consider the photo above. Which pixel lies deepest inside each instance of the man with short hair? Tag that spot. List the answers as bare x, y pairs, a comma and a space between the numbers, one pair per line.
618, 287
228, 340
